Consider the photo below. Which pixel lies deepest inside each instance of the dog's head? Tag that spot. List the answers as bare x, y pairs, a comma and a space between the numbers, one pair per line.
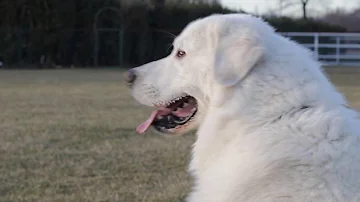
215, 52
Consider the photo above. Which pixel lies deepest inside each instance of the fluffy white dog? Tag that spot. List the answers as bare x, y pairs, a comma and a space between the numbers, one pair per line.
271, 127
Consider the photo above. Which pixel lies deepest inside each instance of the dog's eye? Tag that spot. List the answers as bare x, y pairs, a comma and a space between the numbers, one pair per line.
180, 53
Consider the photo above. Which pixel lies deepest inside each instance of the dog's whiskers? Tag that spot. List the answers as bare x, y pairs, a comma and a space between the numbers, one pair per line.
170, 46
173, 36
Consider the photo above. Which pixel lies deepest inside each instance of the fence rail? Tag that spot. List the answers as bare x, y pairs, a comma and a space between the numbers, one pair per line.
341, 49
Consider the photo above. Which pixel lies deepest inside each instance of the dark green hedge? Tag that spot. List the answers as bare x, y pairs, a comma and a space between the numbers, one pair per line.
69, 39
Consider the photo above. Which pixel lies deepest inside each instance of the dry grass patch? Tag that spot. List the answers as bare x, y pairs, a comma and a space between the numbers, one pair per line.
68, 135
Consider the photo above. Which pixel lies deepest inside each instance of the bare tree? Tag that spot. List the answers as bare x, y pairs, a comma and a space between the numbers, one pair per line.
304, 4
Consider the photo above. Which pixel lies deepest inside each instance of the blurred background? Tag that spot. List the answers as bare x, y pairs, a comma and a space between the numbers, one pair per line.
67, 119
87, 33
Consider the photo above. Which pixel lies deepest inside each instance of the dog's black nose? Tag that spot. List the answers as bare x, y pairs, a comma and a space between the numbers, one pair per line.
130, 77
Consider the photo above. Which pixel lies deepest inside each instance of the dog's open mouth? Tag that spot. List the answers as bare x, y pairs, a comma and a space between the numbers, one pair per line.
172, 117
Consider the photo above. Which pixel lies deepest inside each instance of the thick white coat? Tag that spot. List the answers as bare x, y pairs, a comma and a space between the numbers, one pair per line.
271, 127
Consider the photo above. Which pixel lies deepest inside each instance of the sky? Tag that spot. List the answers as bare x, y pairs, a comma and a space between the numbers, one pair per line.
316, 6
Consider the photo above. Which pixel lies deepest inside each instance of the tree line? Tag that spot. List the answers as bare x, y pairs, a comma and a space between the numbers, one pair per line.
61, 32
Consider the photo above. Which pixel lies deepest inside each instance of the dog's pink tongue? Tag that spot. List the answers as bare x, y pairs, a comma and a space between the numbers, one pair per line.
142, 128
146, 125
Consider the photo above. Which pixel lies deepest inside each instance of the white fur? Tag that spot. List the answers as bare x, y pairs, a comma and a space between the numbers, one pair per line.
271, 127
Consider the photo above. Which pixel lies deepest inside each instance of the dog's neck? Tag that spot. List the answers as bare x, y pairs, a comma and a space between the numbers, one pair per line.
257, 102
264, 96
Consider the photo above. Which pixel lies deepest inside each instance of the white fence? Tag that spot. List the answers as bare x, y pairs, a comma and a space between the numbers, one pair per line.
340, 49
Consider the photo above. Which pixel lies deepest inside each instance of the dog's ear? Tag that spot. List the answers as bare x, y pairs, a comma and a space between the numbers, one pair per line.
236, 54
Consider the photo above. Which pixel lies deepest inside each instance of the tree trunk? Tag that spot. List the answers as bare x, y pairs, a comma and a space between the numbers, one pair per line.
304, 10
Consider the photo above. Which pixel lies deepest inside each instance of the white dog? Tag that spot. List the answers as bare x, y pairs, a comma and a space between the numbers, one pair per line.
271, 127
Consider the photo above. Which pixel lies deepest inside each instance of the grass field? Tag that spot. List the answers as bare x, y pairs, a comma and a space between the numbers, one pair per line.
68, 135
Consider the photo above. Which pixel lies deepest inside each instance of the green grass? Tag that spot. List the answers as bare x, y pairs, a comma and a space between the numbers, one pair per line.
68, 135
